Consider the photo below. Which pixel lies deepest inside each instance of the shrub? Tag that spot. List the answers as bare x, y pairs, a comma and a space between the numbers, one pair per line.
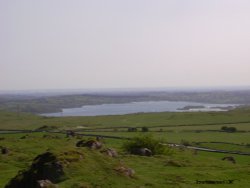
224, 128
146, 141
132, 129
228, 129
144, 129
232, 129
185, 143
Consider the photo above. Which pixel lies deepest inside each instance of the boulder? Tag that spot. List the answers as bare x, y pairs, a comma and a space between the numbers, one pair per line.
110, 152
129, 172
92, 144
142, 151
44, 167
45, 184
70, 133
4, 150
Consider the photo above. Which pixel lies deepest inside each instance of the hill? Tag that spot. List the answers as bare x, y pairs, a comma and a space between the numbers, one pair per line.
45, 103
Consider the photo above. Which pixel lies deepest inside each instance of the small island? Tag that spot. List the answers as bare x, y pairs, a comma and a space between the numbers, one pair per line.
224, 107
191, 107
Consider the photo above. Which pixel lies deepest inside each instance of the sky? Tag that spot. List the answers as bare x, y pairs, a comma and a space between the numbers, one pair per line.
81, 44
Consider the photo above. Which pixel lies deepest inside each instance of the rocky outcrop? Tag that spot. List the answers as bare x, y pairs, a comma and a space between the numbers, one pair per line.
44, 167
92, 144
142, 151
129, 172
110, 152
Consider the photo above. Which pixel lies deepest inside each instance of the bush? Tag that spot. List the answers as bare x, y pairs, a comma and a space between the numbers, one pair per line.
132, 129
228, 129
144, 129
146, 141
224, 128
185, 143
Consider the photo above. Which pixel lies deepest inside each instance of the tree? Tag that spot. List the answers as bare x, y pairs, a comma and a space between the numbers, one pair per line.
228, 129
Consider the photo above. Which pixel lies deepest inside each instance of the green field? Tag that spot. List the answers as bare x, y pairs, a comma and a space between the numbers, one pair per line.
178, 168
170, 120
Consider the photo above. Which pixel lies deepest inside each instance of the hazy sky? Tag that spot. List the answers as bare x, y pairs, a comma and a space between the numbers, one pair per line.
60, 44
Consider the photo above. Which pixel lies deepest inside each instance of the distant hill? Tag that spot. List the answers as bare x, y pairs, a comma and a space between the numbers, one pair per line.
44, 103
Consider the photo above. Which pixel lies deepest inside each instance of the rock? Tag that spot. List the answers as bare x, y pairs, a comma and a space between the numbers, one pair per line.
129, 172
92, 144
110, 152
229, 158
70, 133
45, 184
142, 151
4, 150
44, 167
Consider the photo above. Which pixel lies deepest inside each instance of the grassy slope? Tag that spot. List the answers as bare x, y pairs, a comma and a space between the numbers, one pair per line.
96, 169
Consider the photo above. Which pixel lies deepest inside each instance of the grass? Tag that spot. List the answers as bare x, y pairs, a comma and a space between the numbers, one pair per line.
181, 168
176, 137
229, 147
96, 169
10, 120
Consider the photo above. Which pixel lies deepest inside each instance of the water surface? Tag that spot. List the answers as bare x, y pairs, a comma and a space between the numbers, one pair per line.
139, 107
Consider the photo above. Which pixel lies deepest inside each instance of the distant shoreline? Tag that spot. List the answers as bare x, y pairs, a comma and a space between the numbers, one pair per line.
139, 107
39, 104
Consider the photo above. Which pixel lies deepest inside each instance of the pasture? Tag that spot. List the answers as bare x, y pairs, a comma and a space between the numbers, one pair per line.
179, 168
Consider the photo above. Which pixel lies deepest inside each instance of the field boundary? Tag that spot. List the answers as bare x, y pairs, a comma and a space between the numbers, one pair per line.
125, 138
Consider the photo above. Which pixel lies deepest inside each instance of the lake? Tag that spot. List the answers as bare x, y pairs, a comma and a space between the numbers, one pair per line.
139, 107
